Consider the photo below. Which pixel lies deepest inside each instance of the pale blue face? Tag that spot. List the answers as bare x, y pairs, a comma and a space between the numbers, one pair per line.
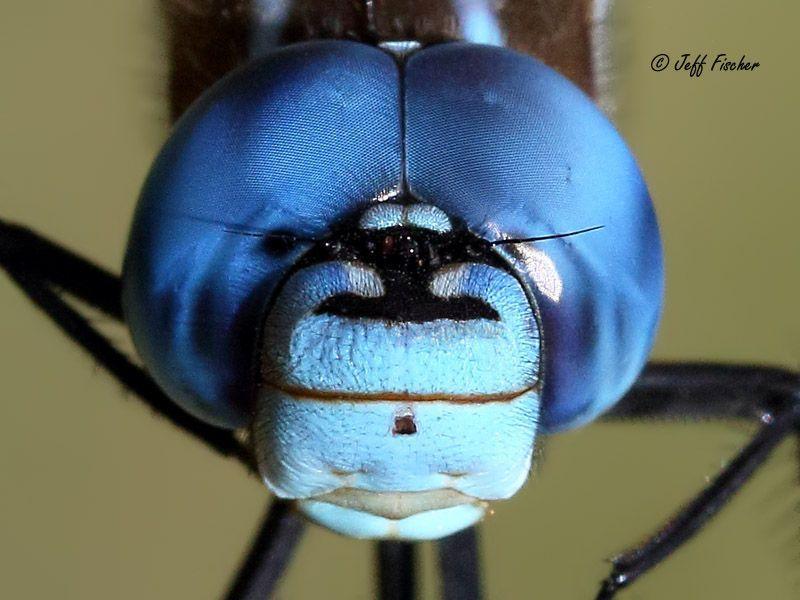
404, 415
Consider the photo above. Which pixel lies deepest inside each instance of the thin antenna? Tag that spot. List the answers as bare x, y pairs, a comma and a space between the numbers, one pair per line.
541, 238
270, 235
244, 232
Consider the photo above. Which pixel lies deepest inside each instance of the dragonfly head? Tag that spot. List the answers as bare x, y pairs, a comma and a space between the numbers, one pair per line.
398, 363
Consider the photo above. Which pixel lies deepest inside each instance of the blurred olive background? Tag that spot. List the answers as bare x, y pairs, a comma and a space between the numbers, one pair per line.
101, 500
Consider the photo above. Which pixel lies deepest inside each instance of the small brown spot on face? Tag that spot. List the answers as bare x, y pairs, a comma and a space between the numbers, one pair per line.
404, 425
387, 247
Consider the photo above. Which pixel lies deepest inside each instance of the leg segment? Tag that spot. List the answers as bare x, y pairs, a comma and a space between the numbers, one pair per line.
396, 570
459, 563
25, 252
41, 268
697, 391
269, 554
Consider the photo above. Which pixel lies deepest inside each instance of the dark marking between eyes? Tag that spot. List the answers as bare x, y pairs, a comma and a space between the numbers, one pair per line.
404, 425
407, 305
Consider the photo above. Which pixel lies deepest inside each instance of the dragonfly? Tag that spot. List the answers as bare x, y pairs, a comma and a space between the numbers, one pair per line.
663, 390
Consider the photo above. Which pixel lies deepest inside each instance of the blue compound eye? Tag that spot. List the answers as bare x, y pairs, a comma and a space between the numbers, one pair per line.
362, 259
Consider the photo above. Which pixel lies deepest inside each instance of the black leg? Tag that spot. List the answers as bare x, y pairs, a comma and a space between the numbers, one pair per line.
697, 391
459, 563
40, 268
25, 252
269, 554
396, 570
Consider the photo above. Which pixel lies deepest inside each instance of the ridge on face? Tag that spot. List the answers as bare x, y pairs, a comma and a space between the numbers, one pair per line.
387, 215
400, 379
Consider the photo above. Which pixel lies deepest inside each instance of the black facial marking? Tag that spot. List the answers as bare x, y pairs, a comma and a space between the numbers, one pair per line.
405, 258
395, 307
278, 243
